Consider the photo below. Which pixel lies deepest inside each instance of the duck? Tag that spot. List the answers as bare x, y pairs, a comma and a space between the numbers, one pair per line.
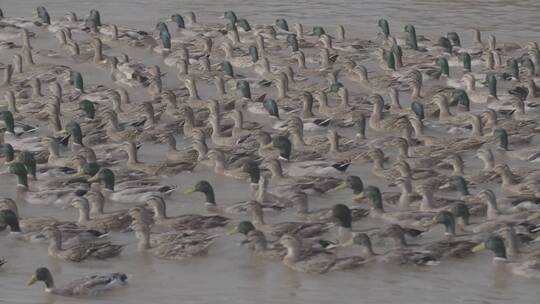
300, 200
377, 121
526, 268
312, 168
81, 251
510, 184
99, 220
128, 191
185, 221
86, 286
286, 183
398, 256
52, 196
303, 229
258, 243
206, 188
192, 156
314, 262
173, 245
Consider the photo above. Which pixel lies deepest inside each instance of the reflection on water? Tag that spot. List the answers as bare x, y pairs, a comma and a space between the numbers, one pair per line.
229, 274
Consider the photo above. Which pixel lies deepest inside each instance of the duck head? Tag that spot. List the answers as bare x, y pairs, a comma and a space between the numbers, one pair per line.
165, 37
502, 138
292, 42
179, 20
9, 218
76, 79
492, 85
411, 40
373, 194
271, 106
466, 58
206, 188
284, 146
19, 169
445, 218
460, 184
9, 121
494, 243
342, 214
385, 28
230, 16
43, 15
106, 177
7, 151
461, 211
282, 24
243, 24
252, 168
88, 108
243, 87
453, 37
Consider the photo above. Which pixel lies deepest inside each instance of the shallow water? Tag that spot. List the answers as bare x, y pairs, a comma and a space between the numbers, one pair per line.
229, 274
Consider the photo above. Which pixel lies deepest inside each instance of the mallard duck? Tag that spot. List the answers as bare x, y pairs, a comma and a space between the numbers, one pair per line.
197, 153
258, 243
133, 162
54, 196
80, 251
222, 168
128, 191
300, 200
405, 218
527, 268
185, 221
515, 184
87, 286
172, 245
314, 262
304, 230
206, 188
34, 224
397, 256
110, 221
312, 168
285, 183
380, 123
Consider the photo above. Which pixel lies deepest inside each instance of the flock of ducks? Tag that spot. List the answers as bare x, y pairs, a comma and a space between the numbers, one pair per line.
286, 110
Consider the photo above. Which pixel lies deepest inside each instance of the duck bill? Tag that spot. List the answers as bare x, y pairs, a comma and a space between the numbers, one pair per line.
190, 190
267, 147
479, 247
33, 280
533, 216
94, 179
429, 224
233, 231
348, 243
341, 186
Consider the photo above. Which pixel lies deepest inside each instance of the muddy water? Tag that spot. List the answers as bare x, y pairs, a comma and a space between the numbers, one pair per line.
229, 274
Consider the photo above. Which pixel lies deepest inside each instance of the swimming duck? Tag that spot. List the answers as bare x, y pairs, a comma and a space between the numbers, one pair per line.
305, 230
172, 245
185, 221
52, 196
527, 268
80, 251
87, 286
110, 221
300, 200
377, 121
397, 256
129, 191
314, 262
